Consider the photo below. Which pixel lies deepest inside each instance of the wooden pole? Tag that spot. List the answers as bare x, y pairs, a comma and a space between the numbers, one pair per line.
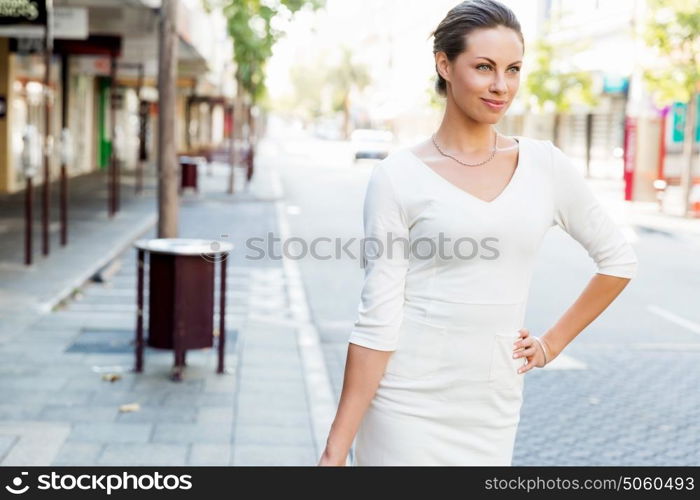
142, 135
64, 174
48, 139
687, 165
28, 223
167, 164
139, 309
232, 150
222, 315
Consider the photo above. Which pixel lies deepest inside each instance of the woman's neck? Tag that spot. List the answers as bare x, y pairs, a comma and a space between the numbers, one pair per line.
459, 133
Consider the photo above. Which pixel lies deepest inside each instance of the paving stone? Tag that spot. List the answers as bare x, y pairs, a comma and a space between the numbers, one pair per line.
158, 414
36, 444
40, 396
261, 455
210, 454
215, 415
152, 454
192, 433
14, 411
78, 454
201, 399
271, 435
280, 402
6, 442
120, 397
116, 432
264, 415
80, 413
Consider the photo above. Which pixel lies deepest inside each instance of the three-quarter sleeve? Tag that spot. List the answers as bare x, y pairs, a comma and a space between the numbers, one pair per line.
578, 212
380, 311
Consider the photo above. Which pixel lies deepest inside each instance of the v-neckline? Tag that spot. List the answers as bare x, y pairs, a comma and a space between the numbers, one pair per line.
513, 178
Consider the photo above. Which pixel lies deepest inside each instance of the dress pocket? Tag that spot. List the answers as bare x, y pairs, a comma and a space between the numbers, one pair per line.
419, 353
504, 367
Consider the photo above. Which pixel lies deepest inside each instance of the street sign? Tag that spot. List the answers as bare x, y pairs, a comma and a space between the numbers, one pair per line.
27, 45
91, 65
678, 111
27, 19
70, 23
615, 84
22, 18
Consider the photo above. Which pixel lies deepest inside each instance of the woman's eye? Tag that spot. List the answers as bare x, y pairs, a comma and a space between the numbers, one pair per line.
516, 68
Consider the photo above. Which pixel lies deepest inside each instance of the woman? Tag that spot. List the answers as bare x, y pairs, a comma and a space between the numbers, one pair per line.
436, 359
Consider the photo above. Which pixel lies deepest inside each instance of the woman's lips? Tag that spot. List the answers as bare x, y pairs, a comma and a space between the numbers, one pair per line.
494, 105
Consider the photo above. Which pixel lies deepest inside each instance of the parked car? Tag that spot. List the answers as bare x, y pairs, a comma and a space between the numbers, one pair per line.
371, 143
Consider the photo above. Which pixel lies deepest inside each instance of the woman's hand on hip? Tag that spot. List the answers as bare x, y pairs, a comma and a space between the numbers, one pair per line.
527, 347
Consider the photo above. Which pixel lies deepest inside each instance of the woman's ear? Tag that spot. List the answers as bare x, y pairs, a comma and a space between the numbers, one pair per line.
442, 64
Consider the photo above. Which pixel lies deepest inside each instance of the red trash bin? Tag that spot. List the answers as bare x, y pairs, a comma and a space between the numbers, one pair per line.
181, 297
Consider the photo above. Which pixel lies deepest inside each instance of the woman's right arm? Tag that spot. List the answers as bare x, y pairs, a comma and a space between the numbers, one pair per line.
364, 368
376, 332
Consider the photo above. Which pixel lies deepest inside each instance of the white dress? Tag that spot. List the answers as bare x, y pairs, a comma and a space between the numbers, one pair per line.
450, 394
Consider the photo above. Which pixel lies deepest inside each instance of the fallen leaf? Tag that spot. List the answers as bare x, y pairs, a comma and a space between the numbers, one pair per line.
111, 377
129, 407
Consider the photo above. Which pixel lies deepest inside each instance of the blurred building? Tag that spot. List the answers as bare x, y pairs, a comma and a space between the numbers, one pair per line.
105, 61
605, 41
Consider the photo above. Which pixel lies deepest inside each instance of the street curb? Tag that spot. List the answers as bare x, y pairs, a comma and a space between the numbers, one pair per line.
319, 390
317, 380
97, 265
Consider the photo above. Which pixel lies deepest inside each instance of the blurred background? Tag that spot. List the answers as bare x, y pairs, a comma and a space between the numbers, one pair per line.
209, 123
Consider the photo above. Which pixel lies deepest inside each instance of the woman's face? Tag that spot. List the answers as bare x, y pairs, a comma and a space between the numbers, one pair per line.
489, 69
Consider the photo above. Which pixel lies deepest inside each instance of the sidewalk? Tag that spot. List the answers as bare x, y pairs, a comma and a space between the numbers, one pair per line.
639, 216
272, 405
93, 240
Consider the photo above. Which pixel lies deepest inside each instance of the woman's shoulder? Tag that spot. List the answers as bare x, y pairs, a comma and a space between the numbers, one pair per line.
398, 161
542, 154
395, 163
537, 146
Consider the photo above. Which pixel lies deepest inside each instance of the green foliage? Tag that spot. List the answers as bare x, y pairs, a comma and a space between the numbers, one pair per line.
545, 83
345, 76
672, 31
250, 25
322, 88
308, 83
435, 100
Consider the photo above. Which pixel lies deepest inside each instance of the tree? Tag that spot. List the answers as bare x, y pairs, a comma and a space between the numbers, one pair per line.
250, 25
308, 84
672, 30
435, 100
546, 83
344, 77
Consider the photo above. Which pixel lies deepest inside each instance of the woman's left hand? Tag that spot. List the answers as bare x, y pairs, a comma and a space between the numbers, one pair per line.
530, 349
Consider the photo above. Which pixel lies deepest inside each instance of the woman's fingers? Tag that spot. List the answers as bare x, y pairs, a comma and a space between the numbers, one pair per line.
529, 366
525, 352
527, 347
524, 342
